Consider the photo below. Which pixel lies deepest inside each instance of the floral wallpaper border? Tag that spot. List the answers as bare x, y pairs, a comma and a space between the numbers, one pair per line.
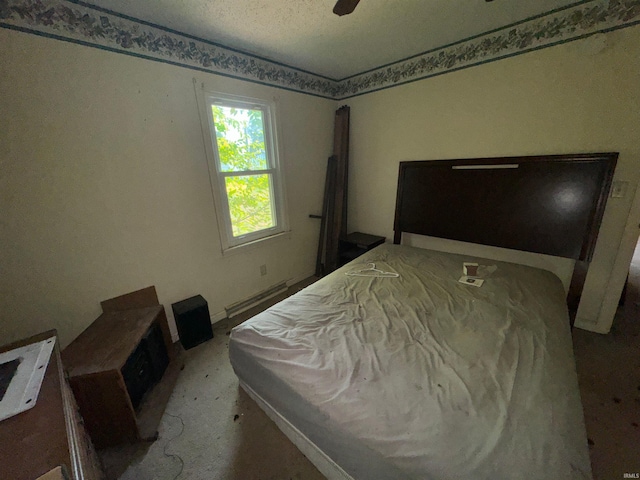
555, 27
78, 22
75, 21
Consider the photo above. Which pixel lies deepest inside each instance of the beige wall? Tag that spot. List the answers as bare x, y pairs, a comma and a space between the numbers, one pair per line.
578, 97
104, 186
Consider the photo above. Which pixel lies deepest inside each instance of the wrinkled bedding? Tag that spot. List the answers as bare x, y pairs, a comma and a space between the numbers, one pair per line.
420, 376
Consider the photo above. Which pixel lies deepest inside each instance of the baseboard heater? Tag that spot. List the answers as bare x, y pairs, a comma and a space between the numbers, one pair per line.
244, 305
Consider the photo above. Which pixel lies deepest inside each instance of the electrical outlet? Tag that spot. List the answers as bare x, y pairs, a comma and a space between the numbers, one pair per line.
263, 270
619, 189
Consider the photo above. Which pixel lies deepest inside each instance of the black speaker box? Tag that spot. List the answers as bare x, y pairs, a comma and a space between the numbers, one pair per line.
193, 321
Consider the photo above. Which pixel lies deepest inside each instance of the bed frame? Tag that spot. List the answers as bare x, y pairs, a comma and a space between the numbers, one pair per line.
550, 204
543, 204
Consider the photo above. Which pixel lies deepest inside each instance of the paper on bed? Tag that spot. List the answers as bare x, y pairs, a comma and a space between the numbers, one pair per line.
473, 281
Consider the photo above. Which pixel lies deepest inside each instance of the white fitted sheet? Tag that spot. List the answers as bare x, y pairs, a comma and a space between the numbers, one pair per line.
420, 376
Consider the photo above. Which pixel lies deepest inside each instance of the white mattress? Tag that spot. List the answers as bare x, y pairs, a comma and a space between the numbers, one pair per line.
420, 376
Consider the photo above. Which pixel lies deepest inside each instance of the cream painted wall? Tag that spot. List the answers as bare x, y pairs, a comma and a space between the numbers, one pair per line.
582, 96
104, 186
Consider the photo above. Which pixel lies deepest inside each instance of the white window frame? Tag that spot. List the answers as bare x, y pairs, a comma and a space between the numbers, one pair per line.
217, 176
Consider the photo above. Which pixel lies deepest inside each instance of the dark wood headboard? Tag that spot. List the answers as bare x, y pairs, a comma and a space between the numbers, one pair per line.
551, 204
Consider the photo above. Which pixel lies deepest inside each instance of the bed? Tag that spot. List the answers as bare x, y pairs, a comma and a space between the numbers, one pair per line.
390, 368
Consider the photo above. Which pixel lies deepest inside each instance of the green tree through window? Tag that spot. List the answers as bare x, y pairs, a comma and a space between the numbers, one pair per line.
245, 167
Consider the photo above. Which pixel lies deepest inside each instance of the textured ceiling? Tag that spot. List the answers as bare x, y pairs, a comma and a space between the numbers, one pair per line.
307, 35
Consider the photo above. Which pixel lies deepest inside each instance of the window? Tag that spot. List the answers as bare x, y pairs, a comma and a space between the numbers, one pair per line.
246, 176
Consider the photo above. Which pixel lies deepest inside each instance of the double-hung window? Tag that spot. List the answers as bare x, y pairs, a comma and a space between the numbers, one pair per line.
246, 176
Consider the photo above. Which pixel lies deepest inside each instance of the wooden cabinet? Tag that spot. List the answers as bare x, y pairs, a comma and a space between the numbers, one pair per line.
120, 369
49, 436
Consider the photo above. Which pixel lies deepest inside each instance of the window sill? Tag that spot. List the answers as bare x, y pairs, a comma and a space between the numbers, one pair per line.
226, 252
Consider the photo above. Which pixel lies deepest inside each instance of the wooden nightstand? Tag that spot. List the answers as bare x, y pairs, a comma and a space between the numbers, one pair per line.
356, 244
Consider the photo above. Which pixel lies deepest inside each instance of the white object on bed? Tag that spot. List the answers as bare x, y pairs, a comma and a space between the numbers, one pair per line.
423, 377
24, 388
371, 271
474, 281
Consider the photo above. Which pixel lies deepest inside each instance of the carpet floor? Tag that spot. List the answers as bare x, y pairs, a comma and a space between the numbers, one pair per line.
212, 430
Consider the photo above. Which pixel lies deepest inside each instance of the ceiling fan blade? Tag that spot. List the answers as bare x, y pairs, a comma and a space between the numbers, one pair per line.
345, 7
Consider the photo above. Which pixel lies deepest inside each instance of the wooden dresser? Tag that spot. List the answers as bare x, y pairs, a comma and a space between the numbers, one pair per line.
49, 436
